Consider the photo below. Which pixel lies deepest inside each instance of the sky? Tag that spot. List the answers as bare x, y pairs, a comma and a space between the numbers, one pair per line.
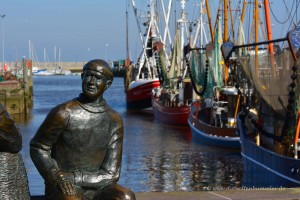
80, 30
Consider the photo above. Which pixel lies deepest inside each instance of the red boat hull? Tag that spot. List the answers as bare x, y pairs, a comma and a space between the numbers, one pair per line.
170, 115
139, 93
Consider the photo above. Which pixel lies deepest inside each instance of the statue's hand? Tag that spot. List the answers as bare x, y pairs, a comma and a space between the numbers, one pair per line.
65, 182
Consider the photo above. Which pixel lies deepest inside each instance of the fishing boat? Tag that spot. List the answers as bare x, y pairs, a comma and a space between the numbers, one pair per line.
138, 95
170, 101
16, 87
212, 118
269, 123
141, 77
169, 114
270, 151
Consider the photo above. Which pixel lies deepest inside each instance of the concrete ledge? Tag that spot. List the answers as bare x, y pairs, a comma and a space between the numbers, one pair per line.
259, 193
226, 194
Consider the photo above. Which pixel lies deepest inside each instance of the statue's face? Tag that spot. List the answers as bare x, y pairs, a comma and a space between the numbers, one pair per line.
93, 84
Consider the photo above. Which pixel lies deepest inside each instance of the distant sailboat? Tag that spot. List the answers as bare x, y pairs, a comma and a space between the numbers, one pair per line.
55, 70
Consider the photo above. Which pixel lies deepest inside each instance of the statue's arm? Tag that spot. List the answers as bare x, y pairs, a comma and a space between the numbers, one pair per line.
43, 141
40, 151
111, 167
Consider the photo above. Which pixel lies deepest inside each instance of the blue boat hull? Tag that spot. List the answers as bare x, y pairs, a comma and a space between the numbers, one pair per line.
265, 168
212, 135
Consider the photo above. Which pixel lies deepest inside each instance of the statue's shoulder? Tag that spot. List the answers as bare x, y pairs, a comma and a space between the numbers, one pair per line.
71, 104
114, 114
65, 108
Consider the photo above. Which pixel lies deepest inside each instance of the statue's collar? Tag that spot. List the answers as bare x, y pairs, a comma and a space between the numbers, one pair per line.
91, 107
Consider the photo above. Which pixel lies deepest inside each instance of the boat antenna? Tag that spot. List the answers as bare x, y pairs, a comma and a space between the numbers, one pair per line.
127, 61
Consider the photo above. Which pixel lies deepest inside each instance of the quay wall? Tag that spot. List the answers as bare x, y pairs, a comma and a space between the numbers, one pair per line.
73, 66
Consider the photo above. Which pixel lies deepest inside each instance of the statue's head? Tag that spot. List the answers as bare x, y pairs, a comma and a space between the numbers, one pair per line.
97, 76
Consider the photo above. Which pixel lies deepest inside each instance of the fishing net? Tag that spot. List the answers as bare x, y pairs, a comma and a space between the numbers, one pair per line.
164, 68
201, 75
171, 73
275, 82
270, 75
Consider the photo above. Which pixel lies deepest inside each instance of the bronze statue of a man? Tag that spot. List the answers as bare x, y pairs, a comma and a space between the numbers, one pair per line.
78, 147
13, 176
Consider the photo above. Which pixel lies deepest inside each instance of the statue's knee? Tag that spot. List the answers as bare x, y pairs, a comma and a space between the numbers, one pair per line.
120, 193
128, 195
72, 197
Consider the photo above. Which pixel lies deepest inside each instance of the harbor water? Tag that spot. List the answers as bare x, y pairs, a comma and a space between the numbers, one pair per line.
156, 157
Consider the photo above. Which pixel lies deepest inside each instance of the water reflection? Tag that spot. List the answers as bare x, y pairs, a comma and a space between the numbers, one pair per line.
212, 171
165, 158
156, 157
23, 118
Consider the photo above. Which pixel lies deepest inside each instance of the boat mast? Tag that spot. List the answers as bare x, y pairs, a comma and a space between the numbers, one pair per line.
44, 58
137, 21
225, 38
153, 21
144, 43
182, 22
209, 20
127, 61
167, 30
232, 22
256, 25
243, 11
269, 32
167, 21
152, 32
55, 56
59, 54
200, 29
29, 49
268, 23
